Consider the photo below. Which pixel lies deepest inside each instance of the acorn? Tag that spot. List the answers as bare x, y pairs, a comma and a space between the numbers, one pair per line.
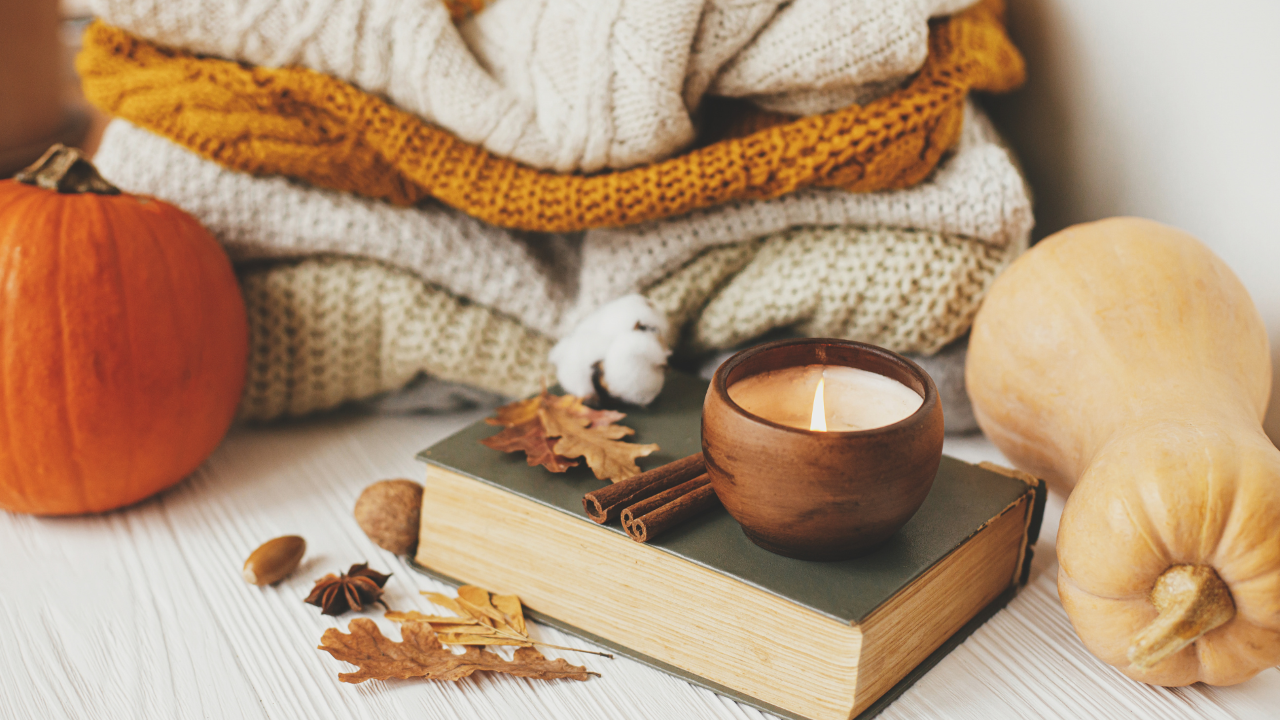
274, 560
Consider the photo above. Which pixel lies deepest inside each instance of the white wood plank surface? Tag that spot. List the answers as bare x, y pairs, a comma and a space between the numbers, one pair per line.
142, 613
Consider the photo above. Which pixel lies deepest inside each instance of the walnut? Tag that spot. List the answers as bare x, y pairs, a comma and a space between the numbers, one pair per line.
388, 512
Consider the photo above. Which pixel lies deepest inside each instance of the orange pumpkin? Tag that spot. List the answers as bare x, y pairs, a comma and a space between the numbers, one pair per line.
123, 341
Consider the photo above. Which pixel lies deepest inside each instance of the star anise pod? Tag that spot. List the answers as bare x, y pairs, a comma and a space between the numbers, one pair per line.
359, 586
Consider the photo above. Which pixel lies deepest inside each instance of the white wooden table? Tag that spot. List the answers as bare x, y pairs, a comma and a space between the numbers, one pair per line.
142, 613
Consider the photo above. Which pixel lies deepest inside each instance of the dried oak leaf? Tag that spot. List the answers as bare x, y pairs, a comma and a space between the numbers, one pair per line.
525, 429
607, 456
530, 437
517, 412
420, 655
522, 411
598, 418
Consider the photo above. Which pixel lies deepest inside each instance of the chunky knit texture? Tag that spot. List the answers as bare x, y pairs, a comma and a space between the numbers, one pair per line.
563, 85
306, 125
907, 291
548, 282
330, 330
817, 56
977, 193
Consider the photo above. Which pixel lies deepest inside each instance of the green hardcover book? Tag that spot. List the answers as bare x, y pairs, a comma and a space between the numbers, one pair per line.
817, 640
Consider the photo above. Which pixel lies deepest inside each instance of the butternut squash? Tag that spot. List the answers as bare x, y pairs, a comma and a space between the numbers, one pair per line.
1125, 359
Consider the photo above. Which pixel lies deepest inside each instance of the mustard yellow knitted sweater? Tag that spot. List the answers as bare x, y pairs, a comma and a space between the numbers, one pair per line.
565, 85
309, 126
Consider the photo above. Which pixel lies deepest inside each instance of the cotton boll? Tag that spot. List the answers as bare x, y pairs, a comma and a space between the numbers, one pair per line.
622, 315
634, 368
578, 356
587, 344
575, 358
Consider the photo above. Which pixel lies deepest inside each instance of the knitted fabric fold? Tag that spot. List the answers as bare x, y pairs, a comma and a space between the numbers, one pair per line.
977, 192
563, 85
309, 126
908, 291
548, 282
329, 330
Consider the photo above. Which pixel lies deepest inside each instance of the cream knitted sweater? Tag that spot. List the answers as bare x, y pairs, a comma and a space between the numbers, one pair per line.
329, 330
548, 282
564, 84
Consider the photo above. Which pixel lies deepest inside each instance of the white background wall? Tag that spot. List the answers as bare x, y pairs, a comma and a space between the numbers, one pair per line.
1167, 109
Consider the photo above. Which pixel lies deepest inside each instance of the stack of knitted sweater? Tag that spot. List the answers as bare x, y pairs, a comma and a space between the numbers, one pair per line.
447, 187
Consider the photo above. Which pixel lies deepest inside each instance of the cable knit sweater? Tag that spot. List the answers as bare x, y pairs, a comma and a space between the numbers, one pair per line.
548, 282
301, 124
557, 84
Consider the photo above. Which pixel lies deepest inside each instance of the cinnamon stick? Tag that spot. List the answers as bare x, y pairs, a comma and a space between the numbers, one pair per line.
648, 505
649, 519
606, 504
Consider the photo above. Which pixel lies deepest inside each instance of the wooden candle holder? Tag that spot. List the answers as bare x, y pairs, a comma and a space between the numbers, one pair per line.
820, 495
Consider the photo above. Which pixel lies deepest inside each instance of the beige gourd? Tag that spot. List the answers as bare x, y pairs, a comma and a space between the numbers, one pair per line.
1125, 359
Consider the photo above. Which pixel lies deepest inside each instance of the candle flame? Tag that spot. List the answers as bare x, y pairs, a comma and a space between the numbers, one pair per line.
818, 421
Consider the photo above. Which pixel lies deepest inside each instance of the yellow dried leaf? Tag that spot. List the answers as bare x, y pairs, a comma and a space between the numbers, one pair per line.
475, 601
483, 619
415, 616
446, 602
509, 605
463, 630
448, 629
456, 639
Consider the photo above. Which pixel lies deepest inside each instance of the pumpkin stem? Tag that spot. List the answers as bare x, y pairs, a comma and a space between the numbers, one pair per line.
1192, 600
66, 170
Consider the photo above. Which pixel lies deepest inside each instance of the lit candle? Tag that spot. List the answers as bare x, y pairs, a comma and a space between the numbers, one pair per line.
825, 398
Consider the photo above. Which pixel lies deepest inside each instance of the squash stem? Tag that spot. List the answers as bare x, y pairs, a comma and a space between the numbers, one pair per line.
66, 170
1191, 600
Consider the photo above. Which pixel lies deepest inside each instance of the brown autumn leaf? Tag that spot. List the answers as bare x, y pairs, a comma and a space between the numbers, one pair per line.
481, 619
522, 411
607, 456
531, 438
594, 436
420, 654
